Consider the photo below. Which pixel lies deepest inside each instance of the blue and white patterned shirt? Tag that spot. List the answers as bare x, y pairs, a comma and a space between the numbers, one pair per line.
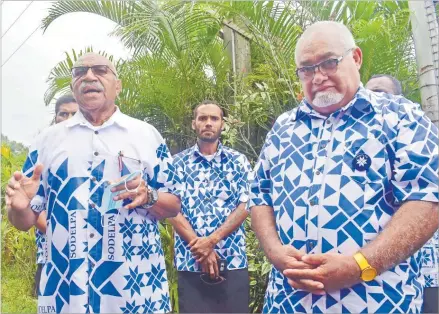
430, 262
211, 191
93, 265
335, 182
430, 251
41, 242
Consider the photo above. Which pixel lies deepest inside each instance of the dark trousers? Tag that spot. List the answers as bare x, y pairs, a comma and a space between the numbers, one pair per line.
230, 296
430, 300
37, 279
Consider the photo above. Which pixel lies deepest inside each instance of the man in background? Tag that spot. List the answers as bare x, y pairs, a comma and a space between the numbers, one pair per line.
384, 83
210, 242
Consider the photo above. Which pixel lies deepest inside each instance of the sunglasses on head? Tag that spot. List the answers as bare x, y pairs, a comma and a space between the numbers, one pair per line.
99, 70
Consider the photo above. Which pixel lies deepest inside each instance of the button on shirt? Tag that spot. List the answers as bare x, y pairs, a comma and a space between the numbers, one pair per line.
211, 191
102, 263
335, 182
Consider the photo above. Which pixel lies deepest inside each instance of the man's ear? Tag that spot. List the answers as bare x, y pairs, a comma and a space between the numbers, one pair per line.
193, 125
71, 87
358, 57
118, 87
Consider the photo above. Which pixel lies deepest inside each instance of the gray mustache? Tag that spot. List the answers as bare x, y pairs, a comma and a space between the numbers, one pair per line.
95, 85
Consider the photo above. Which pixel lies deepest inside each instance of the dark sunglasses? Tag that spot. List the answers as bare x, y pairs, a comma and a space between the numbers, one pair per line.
209, 281
99, 70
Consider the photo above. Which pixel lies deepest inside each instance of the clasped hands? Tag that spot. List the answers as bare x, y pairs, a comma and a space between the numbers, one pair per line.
315, 273
202, 248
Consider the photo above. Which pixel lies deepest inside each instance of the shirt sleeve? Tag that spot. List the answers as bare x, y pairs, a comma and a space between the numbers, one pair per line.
163, 175
416, 158
245, 181
260, 188
39, 201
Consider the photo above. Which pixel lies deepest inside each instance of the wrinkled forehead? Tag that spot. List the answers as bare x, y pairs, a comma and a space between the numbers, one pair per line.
317, 47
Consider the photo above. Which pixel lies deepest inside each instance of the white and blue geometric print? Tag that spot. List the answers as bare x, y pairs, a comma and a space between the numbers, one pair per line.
93, 267
211, 191
334, 183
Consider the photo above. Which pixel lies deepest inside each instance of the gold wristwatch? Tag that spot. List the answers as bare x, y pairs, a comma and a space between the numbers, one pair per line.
368, 273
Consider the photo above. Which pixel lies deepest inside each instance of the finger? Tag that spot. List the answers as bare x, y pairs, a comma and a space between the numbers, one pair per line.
136, 182
216, 255
203, 268
211, 271
125, 195
297, 274
299, 265
135, 203
215, 268
293, 252
131, 185
13, 184
9, 192
201, 258
37, 172
18, 175
308, 285
192, 243
8, 202
314, 259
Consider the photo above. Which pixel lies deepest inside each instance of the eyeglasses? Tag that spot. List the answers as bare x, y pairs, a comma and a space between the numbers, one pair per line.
327, 67
211, 282
99, 70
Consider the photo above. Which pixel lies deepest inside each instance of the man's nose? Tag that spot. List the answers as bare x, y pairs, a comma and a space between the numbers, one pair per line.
319, 77
90, 76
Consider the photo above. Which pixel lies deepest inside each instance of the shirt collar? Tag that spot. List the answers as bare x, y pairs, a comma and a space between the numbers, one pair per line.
116, 118
362, 100
195, 151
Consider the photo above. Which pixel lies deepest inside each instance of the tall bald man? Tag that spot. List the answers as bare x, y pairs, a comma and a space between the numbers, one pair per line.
104, 179
346, 189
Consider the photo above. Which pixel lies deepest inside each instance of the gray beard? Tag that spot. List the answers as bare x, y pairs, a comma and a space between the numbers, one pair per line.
326, 99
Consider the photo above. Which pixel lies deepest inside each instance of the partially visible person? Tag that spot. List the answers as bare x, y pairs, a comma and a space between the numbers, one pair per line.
383, 83
65, 108
429, 252
210, 240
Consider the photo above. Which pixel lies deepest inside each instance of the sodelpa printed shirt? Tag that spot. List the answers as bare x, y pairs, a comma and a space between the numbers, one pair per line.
334, 183
100, 263
211, 191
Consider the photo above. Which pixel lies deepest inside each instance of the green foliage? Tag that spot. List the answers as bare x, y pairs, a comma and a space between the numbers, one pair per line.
16, 290
18, 248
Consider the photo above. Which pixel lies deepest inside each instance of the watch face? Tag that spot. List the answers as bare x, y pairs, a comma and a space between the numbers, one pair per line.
368, 274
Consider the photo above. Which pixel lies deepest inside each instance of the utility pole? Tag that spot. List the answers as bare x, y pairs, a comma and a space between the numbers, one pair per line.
425, 35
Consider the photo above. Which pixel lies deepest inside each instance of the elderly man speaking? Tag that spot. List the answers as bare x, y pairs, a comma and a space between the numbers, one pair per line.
346, 189
104, 179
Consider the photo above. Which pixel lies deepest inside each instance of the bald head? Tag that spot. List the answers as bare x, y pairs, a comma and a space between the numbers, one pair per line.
336, 32
92, 58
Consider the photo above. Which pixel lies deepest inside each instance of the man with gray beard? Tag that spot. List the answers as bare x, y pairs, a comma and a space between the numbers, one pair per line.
345, 190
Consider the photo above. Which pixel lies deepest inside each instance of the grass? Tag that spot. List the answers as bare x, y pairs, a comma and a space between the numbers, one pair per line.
16, 291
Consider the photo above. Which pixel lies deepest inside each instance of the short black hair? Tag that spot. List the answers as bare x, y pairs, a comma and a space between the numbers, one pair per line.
65, 99
396, 84
209, 102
